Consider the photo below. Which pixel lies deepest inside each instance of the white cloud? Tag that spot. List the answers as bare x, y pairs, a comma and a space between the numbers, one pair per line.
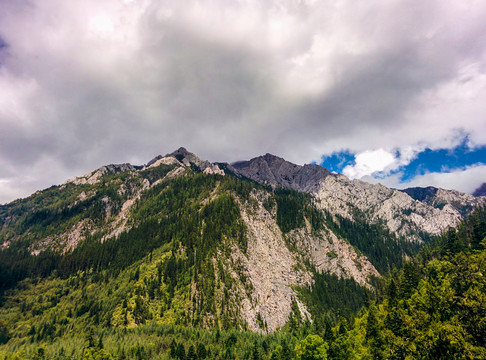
368, 163
380, 162
465, 179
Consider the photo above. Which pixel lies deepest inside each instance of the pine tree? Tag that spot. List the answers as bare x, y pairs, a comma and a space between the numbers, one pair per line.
191, 353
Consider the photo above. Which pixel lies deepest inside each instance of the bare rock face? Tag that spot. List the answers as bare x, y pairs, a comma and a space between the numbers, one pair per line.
439, 198
330, 254
406, 212
94, 176
272, 271
272, 170
401, 213
185, 158
272, 268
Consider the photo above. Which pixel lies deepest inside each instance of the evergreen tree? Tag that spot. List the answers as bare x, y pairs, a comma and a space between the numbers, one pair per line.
201, 351
191, 353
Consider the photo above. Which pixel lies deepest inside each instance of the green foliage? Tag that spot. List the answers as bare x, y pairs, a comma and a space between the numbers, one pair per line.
332, 254
290, 209
52, 212
164, 270
434, 308
311, 348
332, 297
160, 342
157, 172
4, 333
171, 212
293, 208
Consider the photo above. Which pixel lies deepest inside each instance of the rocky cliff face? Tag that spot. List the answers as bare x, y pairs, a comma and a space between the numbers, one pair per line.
187, 159
438, 198
408, 213
275, 264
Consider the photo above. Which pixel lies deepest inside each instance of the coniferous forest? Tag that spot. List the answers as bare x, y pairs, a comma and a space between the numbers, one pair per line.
162, 289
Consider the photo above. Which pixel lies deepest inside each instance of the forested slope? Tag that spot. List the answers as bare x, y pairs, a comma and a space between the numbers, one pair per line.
434, 308
171, 270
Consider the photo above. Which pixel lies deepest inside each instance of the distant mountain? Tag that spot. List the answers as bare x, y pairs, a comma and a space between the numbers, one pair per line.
183, 241
480, 191
421, 194
438, 198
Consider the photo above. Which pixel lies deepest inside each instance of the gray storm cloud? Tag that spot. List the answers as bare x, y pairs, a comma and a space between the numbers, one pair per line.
85, 83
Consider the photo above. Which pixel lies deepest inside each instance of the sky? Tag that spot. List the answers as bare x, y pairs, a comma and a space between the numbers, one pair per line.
380, 90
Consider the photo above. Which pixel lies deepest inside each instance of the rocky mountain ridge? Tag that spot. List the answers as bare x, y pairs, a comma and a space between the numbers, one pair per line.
414, 212
428, 211
300, 220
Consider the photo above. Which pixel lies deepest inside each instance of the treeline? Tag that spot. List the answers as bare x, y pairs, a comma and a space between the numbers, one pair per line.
164, 342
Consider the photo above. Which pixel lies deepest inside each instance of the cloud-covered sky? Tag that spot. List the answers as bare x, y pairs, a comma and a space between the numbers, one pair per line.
372, 83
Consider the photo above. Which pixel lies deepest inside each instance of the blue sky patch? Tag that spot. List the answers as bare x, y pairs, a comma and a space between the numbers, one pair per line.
338, 161
442, 160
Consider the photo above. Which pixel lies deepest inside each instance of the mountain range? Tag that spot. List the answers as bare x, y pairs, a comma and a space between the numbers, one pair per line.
183, 241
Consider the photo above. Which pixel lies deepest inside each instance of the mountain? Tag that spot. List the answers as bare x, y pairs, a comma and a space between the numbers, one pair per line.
438, 198
180, 241
272, 170
413, 213
264, 243
480, 191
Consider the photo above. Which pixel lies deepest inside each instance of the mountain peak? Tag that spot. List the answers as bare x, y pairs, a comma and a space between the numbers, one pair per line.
180, 154
181, 151
276, 171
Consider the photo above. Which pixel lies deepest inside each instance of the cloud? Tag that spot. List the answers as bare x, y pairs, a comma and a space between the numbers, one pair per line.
380, 163
369, 162
85, 83
466, 179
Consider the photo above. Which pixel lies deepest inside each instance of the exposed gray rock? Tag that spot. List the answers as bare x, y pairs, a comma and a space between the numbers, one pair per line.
407, 213
438, 198
333, 255
94, 176
273, 268
273, 170
188, 159
401, 213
